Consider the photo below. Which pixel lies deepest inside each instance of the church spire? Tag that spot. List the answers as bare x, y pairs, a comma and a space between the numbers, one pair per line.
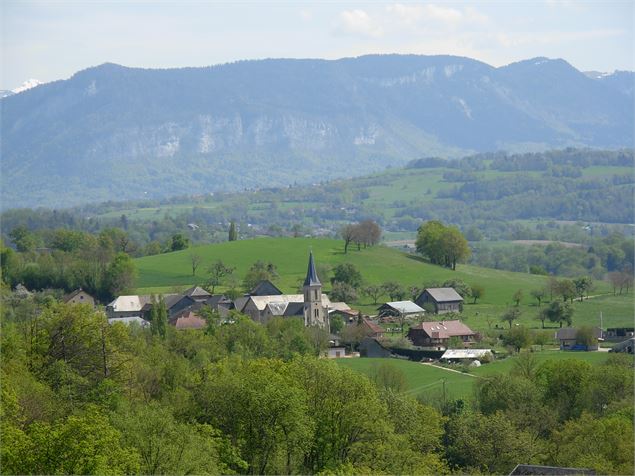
311, 274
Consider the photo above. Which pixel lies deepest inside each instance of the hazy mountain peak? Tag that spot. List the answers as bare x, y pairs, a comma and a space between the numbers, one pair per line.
116, 132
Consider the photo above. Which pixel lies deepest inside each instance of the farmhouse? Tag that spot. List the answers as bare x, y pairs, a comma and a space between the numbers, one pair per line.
443, 299
127, 306
437, 334
79, 296
197, 293
569, 339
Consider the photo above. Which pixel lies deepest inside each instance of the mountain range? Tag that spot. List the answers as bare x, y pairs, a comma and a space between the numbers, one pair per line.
114, 132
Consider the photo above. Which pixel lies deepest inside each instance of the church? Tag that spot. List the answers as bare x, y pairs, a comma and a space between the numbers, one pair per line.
266, 301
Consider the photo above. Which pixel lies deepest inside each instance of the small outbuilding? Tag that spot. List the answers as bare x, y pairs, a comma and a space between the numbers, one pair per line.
371, 347
400, 308
459, 355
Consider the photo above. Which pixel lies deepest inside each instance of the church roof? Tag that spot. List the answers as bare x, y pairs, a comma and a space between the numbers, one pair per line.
311, 274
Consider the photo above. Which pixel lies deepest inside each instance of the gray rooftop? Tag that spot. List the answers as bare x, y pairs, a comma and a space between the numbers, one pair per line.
444, 294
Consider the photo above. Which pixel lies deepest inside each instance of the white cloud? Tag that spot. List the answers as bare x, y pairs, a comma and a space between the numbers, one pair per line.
432, 14
357, 23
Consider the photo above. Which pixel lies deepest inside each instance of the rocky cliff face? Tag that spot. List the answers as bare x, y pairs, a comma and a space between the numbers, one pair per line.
112, 132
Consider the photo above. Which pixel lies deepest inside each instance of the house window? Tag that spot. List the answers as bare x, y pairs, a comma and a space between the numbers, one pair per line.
316, 313
315, 294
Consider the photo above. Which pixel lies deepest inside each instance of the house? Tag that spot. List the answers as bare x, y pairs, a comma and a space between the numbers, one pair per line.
79, 296
129, 320
371, 347
459, 355
127, 306
188, 320
400, 308
265, 288
437, 334
197, 294
568, 337
443, 299
372, 330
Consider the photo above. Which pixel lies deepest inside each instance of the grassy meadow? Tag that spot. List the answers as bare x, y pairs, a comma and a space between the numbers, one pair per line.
378, 264
428, 380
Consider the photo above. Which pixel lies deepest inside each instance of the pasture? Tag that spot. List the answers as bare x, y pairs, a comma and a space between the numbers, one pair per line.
378, 264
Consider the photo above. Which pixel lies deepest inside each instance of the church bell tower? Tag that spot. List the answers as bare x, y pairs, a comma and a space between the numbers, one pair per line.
314, 312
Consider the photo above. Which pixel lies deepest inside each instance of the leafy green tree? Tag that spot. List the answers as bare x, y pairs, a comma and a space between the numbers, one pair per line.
337, 324
585, 336
542, 338
23, 239
517, 297
373, 291
394, 290
518, 337
510, 315
178, 242
443, 245
559, 312
582, 286
565, 384
487, 443
259, 271
478, 292
605, 445
162, 318
80, 444
120, 275
347, 273
387, 376
218, 271
565, 288
343, 292
233, 231
262, 410
538, 295
169, 447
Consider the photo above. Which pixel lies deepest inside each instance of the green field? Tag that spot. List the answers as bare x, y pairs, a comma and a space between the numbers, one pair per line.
378, 264
428, 380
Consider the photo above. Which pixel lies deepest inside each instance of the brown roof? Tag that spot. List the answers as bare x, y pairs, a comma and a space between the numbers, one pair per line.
376, 329
188, 320
444, 329
72, 294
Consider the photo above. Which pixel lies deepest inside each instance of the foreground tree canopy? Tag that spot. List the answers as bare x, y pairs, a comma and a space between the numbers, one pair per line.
80, 396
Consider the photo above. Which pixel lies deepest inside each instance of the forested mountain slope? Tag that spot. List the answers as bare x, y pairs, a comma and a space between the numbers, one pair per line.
116, 132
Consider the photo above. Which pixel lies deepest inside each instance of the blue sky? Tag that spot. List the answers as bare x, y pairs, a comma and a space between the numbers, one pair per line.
51, 40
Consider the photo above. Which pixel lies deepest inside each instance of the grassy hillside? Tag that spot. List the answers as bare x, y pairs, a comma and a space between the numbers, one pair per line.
377, 265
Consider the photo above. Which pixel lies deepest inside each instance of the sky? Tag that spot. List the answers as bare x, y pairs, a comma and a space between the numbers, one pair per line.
50, 40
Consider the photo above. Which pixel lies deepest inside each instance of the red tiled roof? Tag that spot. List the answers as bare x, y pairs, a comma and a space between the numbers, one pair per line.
444, 329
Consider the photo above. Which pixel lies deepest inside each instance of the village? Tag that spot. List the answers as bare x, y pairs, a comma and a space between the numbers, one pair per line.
431, 336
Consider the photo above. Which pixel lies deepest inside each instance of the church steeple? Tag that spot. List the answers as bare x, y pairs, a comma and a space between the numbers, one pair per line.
311, 275
315, 314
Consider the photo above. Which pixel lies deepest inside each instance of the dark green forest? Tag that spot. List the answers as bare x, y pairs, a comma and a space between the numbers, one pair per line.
80, 396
